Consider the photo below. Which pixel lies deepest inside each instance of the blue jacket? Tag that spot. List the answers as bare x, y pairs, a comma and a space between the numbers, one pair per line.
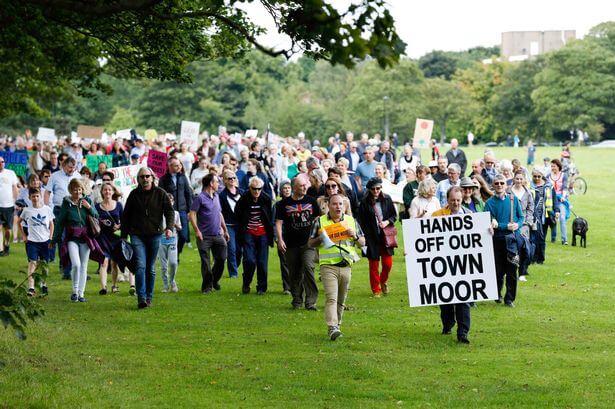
500, 210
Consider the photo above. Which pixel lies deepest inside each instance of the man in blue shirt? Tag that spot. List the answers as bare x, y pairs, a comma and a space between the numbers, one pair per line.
506, 218
366, 169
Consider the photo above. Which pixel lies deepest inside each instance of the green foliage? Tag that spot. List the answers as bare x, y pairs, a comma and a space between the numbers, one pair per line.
438, 64
16, 307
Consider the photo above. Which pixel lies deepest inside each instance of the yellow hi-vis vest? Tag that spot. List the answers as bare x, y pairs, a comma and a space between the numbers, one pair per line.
343, 250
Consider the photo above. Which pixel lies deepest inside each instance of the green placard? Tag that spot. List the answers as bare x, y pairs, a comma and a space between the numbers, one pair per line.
92, 161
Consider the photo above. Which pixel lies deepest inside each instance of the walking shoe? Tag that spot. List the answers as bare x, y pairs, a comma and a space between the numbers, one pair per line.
7, 250
132, 290
217, 287
260, 292
115, 289
296, 307
174, 288
65, 277
141, 304
446, 331
499, 300
463, 339
31, 292
164, 290
311, 308
513, 260
286, 292
385, 288
2, 254
522, 278
208, 291
245, 290
565, 243
377, 295
334, 332
103, 291
148, 301
82, 299
509, 304
189, 245
74, 298
44, 290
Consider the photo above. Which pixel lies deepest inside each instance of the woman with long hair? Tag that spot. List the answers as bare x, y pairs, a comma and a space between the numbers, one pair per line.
376, 213
559, 181
484, 190
426, 202
333, 186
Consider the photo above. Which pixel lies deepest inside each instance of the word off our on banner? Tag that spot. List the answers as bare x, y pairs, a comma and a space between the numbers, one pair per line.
449, 259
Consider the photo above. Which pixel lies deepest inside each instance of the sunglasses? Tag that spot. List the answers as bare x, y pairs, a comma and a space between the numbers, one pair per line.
231, 178
330, 186
145, 176
375, 189
498, 183
256, 188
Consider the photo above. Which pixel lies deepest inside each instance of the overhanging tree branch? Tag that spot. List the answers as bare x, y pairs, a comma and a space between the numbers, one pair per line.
95, 9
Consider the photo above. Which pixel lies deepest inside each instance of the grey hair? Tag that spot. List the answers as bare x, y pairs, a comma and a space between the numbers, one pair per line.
255, 181
455, 167
425, 186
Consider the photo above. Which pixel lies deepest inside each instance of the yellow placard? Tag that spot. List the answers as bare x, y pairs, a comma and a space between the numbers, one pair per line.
151, 134
338, 232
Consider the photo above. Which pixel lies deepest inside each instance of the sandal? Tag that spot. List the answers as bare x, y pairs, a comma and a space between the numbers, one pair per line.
115, 289
103, 291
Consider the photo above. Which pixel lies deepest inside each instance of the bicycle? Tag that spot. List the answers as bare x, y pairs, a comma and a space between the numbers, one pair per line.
576, 184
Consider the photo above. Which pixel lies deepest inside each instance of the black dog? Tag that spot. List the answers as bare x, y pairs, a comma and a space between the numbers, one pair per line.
579, 227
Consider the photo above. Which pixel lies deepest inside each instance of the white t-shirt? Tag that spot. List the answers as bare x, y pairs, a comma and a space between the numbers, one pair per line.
8, 179
38, 221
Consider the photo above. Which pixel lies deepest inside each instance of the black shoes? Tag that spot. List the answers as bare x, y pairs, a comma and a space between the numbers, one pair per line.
311, 308
463, 340
260, 292
245, 290
217, 287
446, 331
44, 290
103, 291
509, 304
142, 304
74, 298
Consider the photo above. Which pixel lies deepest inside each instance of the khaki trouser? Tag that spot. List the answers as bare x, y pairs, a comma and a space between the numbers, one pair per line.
335, 281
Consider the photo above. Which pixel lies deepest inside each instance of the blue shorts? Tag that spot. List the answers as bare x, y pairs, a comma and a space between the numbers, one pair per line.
39, 251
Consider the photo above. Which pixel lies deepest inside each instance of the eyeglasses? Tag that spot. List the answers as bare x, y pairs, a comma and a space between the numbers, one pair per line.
145, 176
499, 183
375, 189
330, 186
256, 188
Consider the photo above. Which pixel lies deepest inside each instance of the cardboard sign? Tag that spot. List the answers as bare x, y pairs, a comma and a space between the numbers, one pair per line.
190, 134
157, 161
87, 131
150, 134
449, 259
16, 161
422, 133
251, 133
46, 135
338, 232
92, 161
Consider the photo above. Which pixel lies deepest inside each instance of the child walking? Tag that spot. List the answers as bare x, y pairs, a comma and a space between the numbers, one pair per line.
167, 254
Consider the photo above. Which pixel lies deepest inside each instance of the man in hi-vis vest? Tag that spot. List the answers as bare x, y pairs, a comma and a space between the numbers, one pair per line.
336, 235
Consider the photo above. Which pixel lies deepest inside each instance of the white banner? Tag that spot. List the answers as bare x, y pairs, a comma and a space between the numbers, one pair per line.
46, 134
449, 259
123, 134
190, 134
125, 179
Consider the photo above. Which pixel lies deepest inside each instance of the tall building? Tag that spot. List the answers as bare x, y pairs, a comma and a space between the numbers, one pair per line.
521, 45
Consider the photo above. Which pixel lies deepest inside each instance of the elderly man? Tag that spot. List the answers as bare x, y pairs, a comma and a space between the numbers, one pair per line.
144, 211
211, 233
177, 184
8, 194
490, 171
57, 189
386, 156
294, 217
453, 172
253, 215
336, 260
456, 155
507, 217
353, 156
451, 312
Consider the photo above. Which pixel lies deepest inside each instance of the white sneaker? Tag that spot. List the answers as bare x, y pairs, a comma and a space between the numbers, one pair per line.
174, 288
121, 278
165, 290
522, 278
334, 332
189, 245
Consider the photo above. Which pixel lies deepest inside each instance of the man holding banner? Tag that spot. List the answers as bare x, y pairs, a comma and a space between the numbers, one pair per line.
335, 234
461, 311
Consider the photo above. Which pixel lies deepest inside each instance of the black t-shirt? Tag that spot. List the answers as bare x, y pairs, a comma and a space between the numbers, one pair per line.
297, 217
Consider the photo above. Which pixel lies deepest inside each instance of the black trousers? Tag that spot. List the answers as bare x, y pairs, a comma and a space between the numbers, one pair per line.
504, 269
456, 312
216, 245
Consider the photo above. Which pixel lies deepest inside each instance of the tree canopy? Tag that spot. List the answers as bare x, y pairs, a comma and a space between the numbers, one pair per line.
50, 49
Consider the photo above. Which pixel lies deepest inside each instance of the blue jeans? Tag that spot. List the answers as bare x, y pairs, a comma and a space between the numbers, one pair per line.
145, 250
234, 251
184, 233
562, 224
255, 256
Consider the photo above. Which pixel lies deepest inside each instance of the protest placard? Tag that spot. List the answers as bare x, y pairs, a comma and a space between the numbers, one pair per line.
338, 231
190, 134
92, 161
46, 135
422, 133
16, 161
123, 134
125, 179
449, 259
90, 132
251, 133
150, 134
157, 161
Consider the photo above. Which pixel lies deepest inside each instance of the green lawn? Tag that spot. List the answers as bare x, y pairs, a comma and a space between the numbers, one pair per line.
555, 349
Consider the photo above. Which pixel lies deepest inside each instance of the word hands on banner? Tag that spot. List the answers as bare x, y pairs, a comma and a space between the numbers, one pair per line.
449, 259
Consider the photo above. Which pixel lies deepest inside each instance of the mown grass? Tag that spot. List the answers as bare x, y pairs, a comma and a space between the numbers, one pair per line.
231, 350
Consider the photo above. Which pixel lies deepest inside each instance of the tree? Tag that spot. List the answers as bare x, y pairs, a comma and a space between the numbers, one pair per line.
52, 48
577, 85
438, 64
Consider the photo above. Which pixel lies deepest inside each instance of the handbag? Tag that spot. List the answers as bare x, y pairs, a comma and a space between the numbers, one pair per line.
92, 224
390, 236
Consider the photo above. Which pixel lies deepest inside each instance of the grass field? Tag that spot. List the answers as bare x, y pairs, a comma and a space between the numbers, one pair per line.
555, 349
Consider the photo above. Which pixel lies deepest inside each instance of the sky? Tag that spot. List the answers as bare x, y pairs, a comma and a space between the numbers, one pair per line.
454, 25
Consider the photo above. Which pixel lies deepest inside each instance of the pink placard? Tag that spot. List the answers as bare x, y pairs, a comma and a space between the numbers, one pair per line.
157, 161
